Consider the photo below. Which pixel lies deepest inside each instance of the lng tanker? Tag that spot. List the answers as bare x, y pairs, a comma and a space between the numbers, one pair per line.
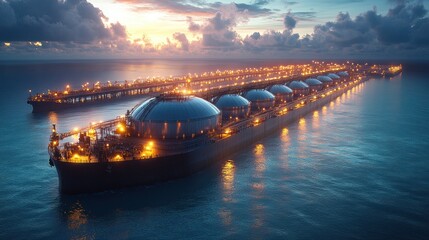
174, 134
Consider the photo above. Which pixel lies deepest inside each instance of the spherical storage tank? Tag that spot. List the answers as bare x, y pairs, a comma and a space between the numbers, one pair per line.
343, 74
299, 88
259, 99
314, 84
327, 81
335, 77
281, 92
232, 106
174, 116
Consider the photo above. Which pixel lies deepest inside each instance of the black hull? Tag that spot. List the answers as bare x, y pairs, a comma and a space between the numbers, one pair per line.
92, 177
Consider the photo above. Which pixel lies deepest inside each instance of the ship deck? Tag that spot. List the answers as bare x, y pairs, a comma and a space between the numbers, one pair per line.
205, 85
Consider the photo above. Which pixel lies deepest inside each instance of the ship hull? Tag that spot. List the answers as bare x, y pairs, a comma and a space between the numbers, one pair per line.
92, 177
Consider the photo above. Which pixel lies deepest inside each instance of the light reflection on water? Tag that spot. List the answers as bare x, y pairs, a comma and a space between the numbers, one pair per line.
53, 118
228, 180
259, 163
284, 147
76, 217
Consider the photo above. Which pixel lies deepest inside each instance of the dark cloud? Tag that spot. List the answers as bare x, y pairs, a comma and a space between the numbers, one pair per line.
304, 15
397, 25
343, 32
272, 41
404, 24
420, 32
254, 9
7, 15
219, 23
53, 20
255, 36
217, 32
289, 21
197, 7
173, 6
403, 30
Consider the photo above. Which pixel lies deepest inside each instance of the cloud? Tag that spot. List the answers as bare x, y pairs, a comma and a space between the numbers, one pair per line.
343, 32
197, 7
304, 15
289, 21
272, 41
217, 32
254, 9
402, 31
183, 40
289, 3
192, 26
398, 26
52, 20
403, 26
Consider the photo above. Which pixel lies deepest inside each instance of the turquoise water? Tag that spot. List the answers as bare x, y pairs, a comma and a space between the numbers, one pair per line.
355, 169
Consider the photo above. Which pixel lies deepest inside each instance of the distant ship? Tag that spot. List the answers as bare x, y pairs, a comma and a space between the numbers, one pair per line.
174, 135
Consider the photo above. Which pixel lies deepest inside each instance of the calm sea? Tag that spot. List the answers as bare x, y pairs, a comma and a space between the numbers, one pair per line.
357, 168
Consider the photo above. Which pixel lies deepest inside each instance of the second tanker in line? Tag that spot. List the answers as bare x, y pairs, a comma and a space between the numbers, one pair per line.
174, 135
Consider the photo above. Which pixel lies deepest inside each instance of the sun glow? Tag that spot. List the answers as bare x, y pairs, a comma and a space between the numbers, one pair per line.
144, 24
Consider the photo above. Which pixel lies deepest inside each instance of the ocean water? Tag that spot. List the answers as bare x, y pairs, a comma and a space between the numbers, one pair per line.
357, 168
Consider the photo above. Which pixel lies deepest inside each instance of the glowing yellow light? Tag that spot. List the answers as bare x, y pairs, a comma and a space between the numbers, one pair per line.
120, 127
316, 114
285, 131
75, 129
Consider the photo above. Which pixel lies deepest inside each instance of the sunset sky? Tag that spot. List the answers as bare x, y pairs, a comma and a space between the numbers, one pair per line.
31, 29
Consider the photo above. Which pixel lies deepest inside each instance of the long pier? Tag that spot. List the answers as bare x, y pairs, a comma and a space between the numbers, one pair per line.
205, 85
